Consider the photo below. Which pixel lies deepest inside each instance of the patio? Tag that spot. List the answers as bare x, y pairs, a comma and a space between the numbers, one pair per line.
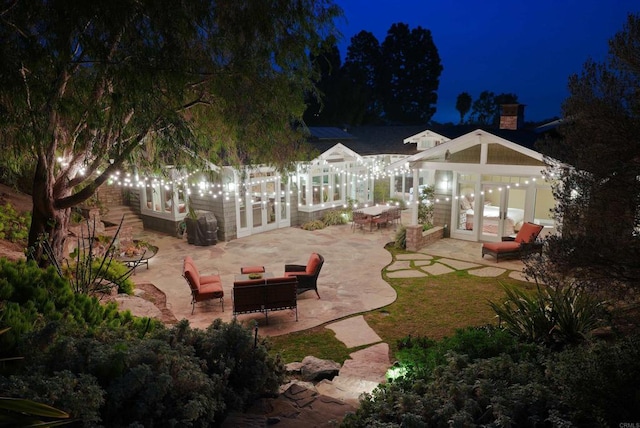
350, 281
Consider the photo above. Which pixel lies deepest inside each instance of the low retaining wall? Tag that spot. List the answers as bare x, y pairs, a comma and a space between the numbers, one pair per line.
417, 239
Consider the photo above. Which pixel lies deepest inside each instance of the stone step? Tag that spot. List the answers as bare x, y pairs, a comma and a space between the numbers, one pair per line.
346, 388
126, 214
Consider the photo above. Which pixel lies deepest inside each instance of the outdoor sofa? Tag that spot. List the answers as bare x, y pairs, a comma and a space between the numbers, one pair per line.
265, 295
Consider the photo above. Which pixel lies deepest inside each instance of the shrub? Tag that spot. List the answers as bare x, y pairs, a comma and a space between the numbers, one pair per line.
335, 217
107, 368
555, 316
14, 227
580, 386
600, 383
426, 206
496, 391
171, 377
33, 298
423, 354
313, 225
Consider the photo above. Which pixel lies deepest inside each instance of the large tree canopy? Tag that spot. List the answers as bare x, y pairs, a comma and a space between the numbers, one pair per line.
395, 82
410, 74
87, 86
598, 189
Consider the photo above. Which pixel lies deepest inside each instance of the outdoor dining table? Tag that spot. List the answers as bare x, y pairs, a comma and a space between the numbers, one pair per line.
375, 210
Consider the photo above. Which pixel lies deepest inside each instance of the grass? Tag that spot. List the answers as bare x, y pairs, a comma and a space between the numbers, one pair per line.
433, 307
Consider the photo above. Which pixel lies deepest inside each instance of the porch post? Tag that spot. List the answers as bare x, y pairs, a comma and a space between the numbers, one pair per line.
416, 195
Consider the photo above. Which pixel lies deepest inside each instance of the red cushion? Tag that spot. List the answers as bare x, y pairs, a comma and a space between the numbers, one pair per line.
528, 232
212, 289
502, 247
208, 279
312, 264
194, 280
188, 263
252, 269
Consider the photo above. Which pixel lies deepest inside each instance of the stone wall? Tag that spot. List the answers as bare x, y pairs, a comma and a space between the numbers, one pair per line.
417, 239
110, 195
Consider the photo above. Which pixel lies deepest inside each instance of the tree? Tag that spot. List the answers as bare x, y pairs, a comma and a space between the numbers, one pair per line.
463, 105
89, 87
361, 68
323, 108
486, 109
410, 74
597, 186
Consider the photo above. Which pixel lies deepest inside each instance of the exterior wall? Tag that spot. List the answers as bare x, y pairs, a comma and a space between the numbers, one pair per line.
417, 239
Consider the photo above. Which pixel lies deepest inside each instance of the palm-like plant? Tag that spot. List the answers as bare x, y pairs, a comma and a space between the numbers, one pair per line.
552, 316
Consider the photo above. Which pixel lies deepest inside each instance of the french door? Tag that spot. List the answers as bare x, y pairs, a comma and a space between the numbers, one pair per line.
501, 210
263, 203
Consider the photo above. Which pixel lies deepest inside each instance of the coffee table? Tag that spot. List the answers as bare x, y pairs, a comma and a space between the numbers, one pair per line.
245, 276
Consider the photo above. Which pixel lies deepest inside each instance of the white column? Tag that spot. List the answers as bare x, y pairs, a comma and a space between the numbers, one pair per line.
416, 197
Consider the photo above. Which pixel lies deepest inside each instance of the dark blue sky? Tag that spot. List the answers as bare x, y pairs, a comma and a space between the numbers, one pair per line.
529, 48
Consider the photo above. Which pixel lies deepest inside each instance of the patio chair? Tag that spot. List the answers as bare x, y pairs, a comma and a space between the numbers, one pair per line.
307, 274
203, 287
523, 243
360, 219
396, 215
382, 220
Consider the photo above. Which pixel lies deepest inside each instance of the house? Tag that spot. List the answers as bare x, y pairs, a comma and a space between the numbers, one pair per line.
487, 181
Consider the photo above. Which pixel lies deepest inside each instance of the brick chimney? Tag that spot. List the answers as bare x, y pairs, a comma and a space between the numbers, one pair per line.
511, 116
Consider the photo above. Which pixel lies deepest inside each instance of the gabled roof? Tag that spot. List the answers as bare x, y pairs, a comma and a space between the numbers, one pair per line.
444, 151
523, 137
402, 140
426, 134
339, 153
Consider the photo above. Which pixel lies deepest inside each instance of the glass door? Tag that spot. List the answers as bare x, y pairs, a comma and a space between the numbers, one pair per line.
501, 211
263, 204
263, 201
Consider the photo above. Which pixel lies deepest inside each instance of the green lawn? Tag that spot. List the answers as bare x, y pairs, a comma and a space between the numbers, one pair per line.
433, 307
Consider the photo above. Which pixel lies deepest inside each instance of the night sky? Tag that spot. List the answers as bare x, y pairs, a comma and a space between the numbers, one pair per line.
528, 48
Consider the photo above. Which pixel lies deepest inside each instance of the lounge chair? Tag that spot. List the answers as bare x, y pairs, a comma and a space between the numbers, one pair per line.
307, 274
523, 243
